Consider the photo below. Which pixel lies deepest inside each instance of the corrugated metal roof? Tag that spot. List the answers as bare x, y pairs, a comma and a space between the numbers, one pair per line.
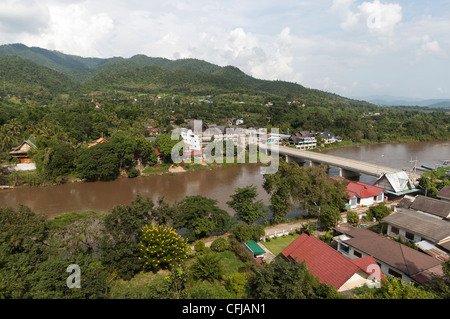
255, 248
432, 250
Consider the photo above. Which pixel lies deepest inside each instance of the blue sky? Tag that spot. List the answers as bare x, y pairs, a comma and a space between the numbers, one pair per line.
348, 47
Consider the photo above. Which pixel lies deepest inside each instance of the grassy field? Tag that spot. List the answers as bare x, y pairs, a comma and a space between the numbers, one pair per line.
276, 245
138, 287
160, 169
439, 173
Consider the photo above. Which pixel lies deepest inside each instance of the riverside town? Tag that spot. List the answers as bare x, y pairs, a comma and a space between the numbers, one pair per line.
217, 186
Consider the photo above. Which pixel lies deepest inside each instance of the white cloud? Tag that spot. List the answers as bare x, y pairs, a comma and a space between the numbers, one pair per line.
73, 29
376, 17
28, 16
430, 47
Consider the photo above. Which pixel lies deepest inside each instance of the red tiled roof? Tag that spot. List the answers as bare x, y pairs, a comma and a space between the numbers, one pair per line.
363, 190
193, 153
100, 140
157, 152
327, 264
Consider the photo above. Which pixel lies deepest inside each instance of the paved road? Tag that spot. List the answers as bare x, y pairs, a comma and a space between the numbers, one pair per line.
336, 161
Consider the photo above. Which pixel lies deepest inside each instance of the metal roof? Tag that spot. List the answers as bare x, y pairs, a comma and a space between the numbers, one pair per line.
255, 248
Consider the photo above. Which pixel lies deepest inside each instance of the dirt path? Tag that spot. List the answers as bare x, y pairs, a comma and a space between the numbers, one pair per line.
177, 169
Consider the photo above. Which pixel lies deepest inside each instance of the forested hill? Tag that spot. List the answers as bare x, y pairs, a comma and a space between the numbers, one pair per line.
26, 79
61, 73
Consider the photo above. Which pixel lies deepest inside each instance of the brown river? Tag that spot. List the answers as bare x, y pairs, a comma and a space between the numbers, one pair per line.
218, 183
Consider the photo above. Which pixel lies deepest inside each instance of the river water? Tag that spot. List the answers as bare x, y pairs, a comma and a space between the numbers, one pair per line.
218, 183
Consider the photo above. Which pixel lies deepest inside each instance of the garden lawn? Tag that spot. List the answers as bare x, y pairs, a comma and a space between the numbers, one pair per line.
277, 244
230, 263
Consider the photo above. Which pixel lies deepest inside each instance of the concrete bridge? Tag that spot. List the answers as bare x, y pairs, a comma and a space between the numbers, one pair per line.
346, 167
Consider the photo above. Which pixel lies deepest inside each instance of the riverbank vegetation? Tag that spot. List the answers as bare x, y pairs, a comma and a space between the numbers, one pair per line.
432, 182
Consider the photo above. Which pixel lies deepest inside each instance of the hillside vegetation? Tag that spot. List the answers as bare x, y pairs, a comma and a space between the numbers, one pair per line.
146, 75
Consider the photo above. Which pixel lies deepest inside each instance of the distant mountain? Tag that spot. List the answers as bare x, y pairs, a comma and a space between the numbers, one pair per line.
141, 73
404, 101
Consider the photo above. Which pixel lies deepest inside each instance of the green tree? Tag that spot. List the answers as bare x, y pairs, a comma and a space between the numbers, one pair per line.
243, 203
379, 211
145, 152
165, 145
22, 230
283, 279
245, 232
278, 187
98, 162
119, 246
309, 187
49, 281
201, 217
329, 217
124, 147
54, 159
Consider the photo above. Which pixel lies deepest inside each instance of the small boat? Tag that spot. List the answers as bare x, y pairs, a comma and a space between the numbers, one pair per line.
427, 167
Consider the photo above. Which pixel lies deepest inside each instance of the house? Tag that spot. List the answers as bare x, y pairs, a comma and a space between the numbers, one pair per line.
303, 140
191, 139
329, 266
444, 193
433, 206
395, 259
152, 130
100, 140
362, 194
426, 231
21, 152
396, 184
328, 138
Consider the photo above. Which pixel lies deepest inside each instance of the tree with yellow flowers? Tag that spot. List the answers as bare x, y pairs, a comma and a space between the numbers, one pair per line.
162, 248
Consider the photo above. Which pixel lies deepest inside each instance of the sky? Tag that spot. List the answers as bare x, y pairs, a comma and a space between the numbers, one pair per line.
352, 48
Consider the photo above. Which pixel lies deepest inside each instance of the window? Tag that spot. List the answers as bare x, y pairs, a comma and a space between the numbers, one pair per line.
394, 273
357, 254
344, 248
409, 236
394, 230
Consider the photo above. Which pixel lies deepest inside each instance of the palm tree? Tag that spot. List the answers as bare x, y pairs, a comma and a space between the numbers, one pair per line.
6, 137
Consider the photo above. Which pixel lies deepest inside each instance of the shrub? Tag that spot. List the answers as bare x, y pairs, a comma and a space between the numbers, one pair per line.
352, 217
236, 283
199, 246
220, 245
133, 172
207, 267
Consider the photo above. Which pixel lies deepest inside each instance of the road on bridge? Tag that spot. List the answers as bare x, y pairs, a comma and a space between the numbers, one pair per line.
336, 161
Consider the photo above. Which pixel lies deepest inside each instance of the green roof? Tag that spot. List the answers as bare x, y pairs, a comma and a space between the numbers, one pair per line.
255, 248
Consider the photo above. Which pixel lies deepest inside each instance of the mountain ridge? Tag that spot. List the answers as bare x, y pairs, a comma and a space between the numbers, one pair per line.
388, 100
184, 72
